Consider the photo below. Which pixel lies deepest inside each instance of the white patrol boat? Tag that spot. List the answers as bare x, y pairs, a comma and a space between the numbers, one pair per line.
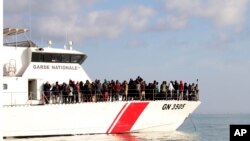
27, 67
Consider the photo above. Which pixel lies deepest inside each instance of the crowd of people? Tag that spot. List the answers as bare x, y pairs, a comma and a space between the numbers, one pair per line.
134, 89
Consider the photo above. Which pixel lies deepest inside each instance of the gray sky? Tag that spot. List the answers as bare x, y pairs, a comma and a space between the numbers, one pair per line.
158, 40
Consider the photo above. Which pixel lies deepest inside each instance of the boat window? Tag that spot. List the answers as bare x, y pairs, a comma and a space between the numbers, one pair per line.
58, 58
5, 86
47, 57
37, 57
76, 58
65, 58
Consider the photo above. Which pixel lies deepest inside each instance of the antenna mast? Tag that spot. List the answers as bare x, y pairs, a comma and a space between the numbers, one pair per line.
30, 19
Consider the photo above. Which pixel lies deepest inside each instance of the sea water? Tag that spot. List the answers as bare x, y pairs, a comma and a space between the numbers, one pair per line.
198, 127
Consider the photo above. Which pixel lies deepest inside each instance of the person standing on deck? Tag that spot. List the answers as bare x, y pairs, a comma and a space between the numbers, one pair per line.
171, 89
55, 91
126, 90
105, 90
181, 88
117, 88
98, 87
143, 89
46, 89
196, 89
163, 90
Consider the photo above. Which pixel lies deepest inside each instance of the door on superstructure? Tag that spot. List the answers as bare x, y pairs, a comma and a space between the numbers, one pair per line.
32, 86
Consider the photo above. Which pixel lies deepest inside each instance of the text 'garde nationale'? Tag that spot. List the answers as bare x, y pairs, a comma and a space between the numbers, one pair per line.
55, 67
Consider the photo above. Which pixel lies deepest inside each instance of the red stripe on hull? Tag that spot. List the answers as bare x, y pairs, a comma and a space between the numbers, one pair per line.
129, 117
116, 117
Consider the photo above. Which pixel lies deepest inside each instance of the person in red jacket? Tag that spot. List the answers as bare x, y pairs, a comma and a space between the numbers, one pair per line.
181, 88
117, 88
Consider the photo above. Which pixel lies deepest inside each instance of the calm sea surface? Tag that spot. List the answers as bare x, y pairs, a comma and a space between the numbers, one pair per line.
198, 127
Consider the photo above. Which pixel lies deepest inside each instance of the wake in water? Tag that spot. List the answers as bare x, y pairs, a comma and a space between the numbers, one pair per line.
152, 136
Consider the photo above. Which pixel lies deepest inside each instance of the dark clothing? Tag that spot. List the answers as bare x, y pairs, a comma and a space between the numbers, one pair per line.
46, 89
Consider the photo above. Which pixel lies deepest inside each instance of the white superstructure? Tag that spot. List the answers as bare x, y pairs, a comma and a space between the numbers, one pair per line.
27, 67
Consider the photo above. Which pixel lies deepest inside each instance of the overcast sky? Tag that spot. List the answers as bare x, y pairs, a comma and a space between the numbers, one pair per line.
157, 40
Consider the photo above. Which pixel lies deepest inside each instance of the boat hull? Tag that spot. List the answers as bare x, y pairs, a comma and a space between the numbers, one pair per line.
94, 118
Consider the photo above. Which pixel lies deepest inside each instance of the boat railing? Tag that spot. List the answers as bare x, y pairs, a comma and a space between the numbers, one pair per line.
100, 96
16, 98
60, 97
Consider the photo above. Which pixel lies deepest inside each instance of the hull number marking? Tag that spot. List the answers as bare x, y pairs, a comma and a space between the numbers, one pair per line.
173, 106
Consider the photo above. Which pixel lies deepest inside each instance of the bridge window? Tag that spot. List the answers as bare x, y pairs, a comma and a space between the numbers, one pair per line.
57, 58
37, 57
75, 58
65, 58
47, 58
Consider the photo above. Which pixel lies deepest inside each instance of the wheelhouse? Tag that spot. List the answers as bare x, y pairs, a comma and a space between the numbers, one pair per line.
57, 57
